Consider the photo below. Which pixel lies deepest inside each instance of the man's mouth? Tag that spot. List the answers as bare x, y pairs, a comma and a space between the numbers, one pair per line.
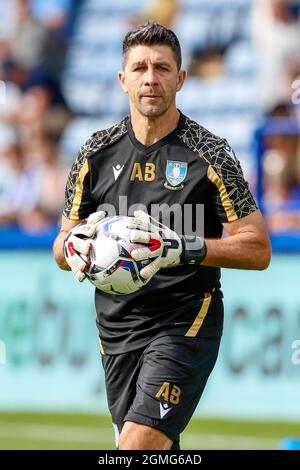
151, 96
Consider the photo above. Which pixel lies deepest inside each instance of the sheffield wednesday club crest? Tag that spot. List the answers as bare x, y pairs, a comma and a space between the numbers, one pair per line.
175, 174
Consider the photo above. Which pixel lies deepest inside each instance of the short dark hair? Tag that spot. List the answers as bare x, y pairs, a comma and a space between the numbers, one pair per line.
152, 33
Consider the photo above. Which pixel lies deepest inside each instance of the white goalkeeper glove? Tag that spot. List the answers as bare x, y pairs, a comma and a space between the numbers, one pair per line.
77, 246
164, 245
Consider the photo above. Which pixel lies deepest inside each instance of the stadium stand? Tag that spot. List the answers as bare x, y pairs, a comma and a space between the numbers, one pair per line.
52, 386
227, 104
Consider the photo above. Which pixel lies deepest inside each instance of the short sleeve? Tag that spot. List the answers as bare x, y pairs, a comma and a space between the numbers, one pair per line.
231, 195
78, 201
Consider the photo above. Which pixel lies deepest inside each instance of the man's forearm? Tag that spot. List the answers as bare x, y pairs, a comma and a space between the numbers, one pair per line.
241, 251
58, 251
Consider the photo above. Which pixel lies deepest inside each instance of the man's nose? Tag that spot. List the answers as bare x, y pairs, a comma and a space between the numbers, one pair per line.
151, 77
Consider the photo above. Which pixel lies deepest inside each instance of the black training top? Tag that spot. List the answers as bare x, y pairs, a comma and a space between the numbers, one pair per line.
191, 170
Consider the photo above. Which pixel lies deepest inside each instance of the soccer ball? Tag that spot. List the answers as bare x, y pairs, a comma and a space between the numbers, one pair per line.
111, 269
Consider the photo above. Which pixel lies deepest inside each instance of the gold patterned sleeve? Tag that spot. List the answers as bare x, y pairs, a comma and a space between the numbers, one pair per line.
78, 201
232, 197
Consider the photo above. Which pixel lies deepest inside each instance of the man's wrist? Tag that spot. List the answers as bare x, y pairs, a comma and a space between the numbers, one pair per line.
194, 249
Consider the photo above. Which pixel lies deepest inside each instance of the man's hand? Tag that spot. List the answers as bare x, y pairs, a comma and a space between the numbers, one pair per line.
164, 245
77, 246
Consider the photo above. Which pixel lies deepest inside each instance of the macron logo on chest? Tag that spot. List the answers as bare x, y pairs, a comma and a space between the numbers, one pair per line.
117, 171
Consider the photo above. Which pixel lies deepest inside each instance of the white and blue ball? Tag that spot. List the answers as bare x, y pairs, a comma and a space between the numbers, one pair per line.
112, 270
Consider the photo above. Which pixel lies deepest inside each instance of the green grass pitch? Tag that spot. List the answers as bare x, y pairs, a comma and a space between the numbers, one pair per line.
84, 431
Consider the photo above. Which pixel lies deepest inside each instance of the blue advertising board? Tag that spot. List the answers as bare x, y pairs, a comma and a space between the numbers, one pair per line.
50, 358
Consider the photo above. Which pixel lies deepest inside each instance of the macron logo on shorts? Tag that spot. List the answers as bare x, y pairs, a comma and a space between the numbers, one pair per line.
164, 408
117, 170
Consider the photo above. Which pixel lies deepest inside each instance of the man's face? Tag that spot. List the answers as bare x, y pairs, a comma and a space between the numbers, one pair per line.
151, 79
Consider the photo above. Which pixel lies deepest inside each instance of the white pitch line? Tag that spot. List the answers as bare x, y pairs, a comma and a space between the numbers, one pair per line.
81, 434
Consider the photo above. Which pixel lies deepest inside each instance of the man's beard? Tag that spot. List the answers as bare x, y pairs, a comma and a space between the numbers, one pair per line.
153, 111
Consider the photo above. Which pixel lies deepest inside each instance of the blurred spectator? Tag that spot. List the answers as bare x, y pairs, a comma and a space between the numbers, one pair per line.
6, 19
29, 38
207, 62
32, 118
161, 11
4, 49
35, 54
276, 33
17, 184
50, 178
10, 99
282, 170
54, 14
34, 105
37, 104
32, 181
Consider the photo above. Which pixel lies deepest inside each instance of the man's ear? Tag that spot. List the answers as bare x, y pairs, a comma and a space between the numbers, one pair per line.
122, 81
181, 79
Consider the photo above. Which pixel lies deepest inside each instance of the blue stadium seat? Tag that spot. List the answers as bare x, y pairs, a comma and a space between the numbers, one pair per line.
6, 23
79, 130
215, 4
117, 7
238, 131
219, 96
101, 28
95, 97
240, 60
192, 28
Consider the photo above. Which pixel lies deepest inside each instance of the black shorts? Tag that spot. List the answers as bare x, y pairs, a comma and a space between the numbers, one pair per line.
160, 385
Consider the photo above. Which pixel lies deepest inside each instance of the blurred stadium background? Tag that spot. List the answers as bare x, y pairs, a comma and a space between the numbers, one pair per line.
58, 64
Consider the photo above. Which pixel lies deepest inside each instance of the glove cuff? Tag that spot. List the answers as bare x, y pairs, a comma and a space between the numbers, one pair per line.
194, 249
65, 250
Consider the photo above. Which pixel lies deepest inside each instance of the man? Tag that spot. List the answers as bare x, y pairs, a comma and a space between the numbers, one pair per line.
159, 345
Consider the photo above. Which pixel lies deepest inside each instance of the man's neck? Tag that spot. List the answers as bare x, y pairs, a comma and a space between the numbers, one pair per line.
150, 130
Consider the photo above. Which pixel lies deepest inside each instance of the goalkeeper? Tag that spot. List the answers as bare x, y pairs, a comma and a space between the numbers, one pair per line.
159, 345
